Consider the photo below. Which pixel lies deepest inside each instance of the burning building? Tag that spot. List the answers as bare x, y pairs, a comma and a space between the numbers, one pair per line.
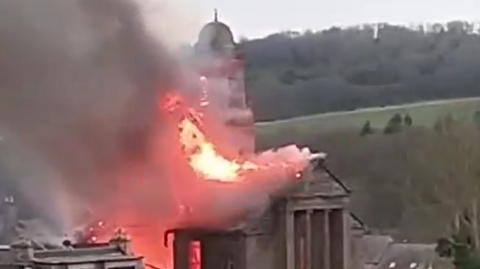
303, 226
200, 169
306, 227
228, 206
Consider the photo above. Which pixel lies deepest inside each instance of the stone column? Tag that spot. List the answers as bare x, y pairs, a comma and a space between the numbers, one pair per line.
320, 240
347, 240
326, 242
290, 239
308, 238
181, 251
300, 239
337, 240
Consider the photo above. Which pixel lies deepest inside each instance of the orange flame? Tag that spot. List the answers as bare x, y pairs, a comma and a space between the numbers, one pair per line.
204, 159
202, 154
208, 162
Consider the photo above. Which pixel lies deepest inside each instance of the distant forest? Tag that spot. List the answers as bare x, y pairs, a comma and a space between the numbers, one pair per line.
342, 69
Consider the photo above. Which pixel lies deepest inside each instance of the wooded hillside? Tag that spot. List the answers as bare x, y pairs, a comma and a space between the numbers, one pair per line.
361, 66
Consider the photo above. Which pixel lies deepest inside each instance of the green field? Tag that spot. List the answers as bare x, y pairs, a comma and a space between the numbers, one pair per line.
423, 114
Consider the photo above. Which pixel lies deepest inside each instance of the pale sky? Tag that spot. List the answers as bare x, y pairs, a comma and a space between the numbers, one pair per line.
257, 18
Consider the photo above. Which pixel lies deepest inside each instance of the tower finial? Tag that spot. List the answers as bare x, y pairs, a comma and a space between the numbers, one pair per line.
215, 15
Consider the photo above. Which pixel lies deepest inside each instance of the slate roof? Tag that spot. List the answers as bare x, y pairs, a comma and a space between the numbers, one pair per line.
406, 255
381, 252
86, 254
90, 254
373, 247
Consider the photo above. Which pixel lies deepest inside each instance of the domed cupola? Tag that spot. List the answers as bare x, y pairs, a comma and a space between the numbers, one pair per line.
216, 36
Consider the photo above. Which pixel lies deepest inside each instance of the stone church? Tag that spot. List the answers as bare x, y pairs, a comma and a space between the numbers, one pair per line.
308, 227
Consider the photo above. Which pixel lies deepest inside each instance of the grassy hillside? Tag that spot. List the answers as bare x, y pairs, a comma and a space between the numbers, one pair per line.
423, 114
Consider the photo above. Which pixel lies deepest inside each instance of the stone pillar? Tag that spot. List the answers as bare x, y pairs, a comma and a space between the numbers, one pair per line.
181, 251
300, 240
347, 240
327, 245
212, 253
320, 240
290, 236
308, 238
338, 239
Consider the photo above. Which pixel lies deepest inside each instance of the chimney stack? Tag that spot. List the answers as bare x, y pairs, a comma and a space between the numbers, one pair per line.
22, 251
122, 241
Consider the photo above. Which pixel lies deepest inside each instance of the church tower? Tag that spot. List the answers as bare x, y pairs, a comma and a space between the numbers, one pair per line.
221, 61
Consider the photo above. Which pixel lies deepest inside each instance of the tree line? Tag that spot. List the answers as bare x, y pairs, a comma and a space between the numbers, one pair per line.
372, 65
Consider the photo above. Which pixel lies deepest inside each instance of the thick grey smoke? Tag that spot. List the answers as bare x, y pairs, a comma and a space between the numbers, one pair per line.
80, 83
79, 86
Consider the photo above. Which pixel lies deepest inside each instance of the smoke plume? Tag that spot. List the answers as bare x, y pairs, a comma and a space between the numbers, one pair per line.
79, 84
83, 134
